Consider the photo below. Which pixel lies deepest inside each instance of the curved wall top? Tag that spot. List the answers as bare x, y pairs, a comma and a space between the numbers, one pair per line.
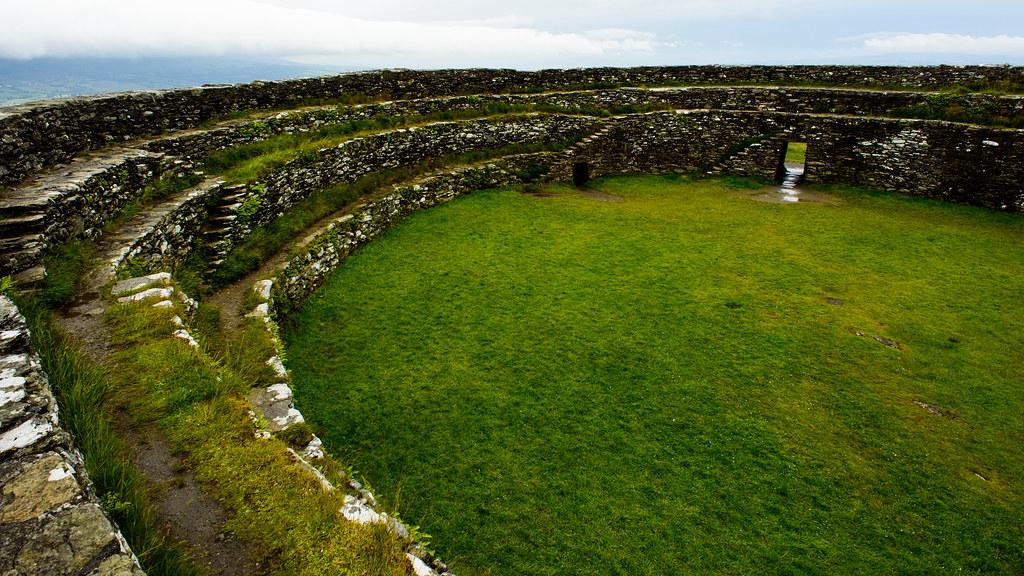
36, 135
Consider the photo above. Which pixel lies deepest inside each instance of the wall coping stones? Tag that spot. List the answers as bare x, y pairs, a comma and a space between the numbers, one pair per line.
140, 283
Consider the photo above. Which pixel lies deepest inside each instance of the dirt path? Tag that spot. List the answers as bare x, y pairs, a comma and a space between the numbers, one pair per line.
188, 514
230, 298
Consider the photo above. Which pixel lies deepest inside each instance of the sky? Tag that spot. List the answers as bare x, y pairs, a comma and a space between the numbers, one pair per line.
525, 34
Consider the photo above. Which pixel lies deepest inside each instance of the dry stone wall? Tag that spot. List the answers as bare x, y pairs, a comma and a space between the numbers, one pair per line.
359, 157
71, 203
941, 160
50, 520
37, 135
732, 130
196, 145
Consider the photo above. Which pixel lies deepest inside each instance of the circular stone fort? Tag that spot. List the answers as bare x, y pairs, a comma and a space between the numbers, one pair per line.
162, 219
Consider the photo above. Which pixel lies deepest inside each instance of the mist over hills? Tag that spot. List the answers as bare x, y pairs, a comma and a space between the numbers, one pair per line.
45, 78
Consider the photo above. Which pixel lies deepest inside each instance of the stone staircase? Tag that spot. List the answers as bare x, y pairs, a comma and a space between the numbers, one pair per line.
222, 215
750, 161
69, 202
165, 230
584, 143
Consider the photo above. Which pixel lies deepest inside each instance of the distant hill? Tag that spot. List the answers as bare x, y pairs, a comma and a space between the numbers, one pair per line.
40, 79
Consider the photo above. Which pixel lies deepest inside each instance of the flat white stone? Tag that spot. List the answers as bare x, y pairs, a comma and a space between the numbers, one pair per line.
10, 381
293, 417
133, 284
14, 360
25, 434
356, 511
11, 395
279, 392
262, 288
277, 366
162, 293
314, 450
184, 335
989, 143
59, 473
164, 304
419, 567
261, 311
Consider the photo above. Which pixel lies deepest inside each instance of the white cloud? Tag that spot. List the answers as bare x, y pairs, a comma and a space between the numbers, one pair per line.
562, 12
60, 28
347, 34
939, 43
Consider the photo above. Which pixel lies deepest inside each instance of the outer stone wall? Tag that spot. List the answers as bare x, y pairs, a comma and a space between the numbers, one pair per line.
195, 145
37, 135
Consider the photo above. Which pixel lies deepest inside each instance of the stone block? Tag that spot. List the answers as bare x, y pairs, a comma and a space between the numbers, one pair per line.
141, 283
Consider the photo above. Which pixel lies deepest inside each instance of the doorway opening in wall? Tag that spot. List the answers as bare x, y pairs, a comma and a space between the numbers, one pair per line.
792, 166
580, 173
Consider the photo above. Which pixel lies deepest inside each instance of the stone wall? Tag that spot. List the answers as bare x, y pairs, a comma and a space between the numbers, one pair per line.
71, 203
197, 144
165, 238
33, 136
941, 160
359, 157
309, 269
50, 519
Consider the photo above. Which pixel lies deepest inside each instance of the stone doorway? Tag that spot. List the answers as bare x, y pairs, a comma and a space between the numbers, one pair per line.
580, 173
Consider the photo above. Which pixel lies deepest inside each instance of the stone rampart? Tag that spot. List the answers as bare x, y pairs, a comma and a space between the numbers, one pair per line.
359, 157
33, 136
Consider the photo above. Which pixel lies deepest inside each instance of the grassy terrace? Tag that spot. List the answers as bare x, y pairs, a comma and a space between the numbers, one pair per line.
688, 381
250, 161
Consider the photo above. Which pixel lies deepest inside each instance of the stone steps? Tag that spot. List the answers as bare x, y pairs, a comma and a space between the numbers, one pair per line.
26, 223
596, 136
219, 223
69, 201
137, 236
16, 261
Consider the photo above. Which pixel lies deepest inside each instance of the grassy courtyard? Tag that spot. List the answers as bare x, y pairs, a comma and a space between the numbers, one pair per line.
687, 381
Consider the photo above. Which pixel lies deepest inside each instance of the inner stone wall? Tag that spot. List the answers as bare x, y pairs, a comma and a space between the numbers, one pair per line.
941, 160
356, 158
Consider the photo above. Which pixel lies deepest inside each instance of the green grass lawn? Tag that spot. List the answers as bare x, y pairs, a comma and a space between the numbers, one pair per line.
675, 383
796, 152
